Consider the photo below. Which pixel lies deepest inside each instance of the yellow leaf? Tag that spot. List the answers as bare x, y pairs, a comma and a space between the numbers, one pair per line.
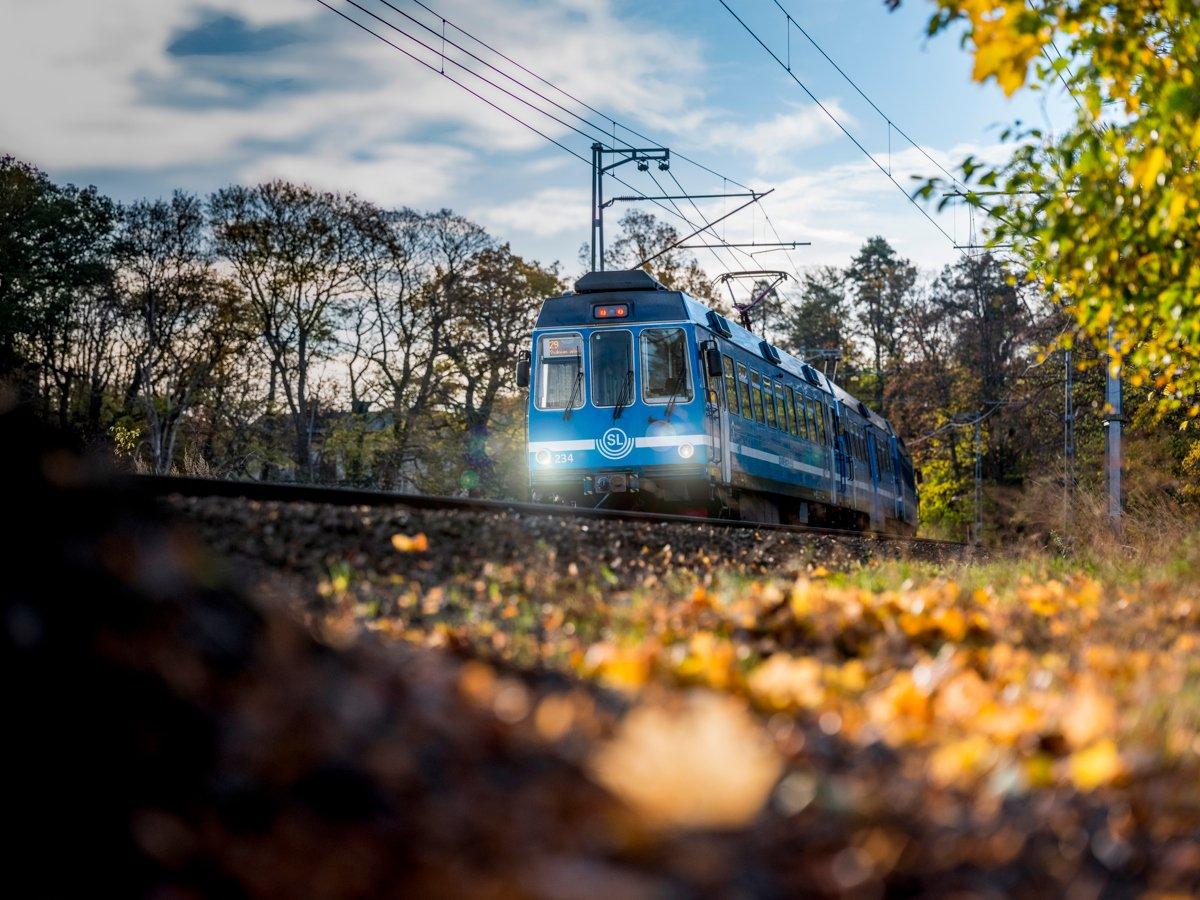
1146, 170
960, 762
1096, 766
784, 681
417, 543
1090, 716
708, 764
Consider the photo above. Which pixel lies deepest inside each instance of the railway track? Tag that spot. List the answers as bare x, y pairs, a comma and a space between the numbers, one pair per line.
274, 492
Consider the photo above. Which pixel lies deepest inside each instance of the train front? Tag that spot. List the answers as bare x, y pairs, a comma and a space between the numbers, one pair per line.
618, 415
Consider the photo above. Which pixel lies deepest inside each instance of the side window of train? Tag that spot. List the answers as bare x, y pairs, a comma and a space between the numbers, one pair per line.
790, 403
665, 371
769, 401
822, 428
731, 392
810, 410
744, 391
756, 396
780, 407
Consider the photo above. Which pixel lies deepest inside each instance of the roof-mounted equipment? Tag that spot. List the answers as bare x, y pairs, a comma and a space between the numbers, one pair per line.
618, 280
719, 324
765, 282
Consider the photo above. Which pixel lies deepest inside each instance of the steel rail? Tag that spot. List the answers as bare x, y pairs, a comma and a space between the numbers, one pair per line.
277, 492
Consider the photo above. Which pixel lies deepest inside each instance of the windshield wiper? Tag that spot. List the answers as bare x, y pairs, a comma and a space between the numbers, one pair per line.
569, 411
626, 396
674, 394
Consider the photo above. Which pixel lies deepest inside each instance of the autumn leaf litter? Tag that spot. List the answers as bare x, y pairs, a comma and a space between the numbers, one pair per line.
892, 720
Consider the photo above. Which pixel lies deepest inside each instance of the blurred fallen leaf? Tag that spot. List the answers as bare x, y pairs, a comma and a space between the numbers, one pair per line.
416, 543
1096, 766
706, 764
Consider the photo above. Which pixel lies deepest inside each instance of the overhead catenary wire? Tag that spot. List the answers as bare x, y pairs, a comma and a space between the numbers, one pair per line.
441, 71
574, 98
469, 90
854, 140
892, 126
550, 84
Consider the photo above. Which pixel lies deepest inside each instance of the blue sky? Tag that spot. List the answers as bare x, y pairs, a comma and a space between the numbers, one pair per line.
142, 96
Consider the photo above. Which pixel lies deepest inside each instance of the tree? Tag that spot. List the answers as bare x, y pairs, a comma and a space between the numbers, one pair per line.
1106, 214
295, 252
182, 318
494, 311
816, 319
881, 281
54, 251
412, 272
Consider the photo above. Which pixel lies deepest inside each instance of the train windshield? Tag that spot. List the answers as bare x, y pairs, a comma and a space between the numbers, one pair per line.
612, 368
665, 366
560, 371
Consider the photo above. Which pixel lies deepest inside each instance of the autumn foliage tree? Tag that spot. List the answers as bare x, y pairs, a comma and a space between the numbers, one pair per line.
1106, 213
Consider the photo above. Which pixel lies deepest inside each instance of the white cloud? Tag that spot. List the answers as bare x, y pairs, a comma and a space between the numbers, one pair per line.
547, 213
774, 144
403, 175
837, 207
93, 86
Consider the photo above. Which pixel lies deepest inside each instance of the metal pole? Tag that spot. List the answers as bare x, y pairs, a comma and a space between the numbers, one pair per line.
600, 206
1112, 405
978, 536
1068, 436
596, 161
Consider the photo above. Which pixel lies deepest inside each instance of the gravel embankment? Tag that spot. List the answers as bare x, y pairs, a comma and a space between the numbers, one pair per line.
308, 538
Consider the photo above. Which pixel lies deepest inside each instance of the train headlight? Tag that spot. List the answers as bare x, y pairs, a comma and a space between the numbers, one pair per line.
686, 451
543, 457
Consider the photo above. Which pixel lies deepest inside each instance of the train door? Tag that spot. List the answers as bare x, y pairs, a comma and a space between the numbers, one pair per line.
842, 462
894, 483
875, 467
717, 409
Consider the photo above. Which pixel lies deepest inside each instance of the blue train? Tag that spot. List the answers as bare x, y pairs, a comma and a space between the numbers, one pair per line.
641, 397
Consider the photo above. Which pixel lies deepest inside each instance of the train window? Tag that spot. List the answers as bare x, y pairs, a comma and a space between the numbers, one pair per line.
790, 402
612, 368
731, 396
801, 419
780, 408
756, 396
769, 401
744, 391
810, 419
560, 371
665, 366
822, 428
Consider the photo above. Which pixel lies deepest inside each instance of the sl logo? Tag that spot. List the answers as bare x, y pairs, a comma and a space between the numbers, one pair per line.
614, 444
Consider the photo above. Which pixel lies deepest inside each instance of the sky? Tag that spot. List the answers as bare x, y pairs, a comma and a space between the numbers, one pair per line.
140, 97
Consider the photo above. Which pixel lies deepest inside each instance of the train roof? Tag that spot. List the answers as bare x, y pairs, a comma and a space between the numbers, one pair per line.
651, 301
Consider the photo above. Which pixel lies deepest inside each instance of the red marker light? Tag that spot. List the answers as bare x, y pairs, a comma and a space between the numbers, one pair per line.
616, 310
